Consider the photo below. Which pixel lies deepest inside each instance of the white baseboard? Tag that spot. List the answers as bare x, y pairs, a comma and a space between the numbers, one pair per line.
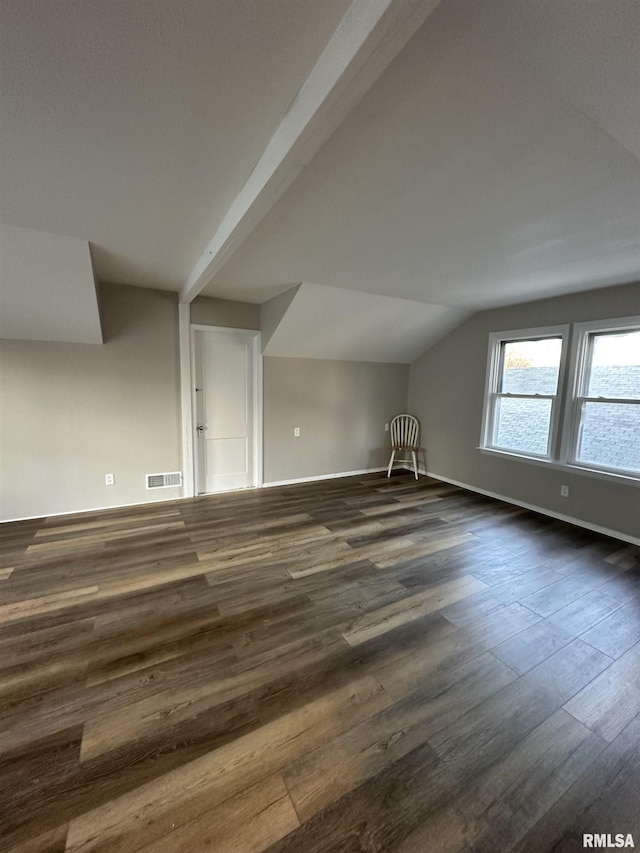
319, 477
92, 509
596, 528
191, 497
615, 534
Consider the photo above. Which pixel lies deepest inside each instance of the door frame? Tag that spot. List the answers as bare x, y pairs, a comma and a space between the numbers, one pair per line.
188, 401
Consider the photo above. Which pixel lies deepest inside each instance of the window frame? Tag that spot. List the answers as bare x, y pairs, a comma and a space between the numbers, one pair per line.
491, 392
581, 348
573, 365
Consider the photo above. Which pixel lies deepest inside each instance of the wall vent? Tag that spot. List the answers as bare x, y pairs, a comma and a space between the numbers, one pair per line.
164, 481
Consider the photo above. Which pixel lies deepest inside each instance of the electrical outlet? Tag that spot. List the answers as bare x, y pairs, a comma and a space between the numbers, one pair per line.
564, 491
109, 480
296, 432
386, 427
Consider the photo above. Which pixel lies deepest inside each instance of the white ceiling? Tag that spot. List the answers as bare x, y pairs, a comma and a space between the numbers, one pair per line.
495, 160
134, 123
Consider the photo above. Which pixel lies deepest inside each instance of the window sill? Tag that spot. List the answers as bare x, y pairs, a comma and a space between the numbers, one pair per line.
625, 479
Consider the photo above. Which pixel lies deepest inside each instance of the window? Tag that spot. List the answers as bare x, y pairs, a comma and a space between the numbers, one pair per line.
582, 412
607, 400
521, 413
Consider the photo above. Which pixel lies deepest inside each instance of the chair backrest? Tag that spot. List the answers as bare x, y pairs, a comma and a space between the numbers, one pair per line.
404, 431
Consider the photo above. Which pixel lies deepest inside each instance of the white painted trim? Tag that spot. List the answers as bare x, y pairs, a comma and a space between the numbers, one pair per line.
596, 528
186, 405
494, 368
319, 477
181, 498
617, 324
565, 426
577, 522
258, 465
580, 356
257, 402
229, 330
93, 509
194, 411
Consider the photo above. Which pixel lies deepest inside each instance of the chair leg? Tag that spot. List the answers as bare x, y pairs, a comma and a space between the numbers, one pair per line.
415, 463
393, 456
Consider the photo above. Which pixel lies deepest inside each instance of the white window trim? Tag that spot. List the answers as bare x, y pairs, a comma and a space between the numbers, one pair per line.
564, 430
577, 372
496, 339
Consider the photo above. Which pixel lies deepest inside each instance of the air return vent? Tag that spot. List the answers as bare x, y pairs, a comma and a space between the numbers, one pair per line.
164, 481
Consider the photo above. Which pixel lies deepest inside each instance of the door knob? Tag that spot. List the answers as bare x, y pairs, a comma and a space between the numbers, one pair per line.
201, 427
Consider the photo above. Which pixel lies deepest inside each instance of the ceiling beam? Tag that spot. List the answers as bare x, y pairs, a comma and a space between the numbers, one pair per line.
369, 36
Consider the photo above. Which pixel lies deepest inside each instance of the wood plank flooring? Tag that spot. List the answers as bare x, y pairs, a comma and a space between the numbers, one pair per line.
351, 665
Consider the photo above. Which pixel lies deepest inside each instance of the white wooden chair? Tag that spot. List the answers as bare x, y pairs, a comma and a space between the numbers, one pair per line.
405, 432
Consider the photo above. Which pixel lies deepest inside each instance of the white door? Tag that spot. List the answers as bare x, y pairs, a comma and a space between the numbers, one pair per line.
225, 409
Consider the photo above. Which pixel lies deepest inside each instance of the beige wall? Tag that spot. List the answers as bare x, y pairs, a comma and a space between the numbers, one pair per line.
341, 408
225, 312
446, 392
72, 412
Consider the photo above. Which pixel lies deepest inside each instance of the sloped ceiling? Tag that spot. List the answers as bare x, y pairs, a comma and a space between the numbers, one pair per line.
332, 323
47, 288
495, 161
134, 124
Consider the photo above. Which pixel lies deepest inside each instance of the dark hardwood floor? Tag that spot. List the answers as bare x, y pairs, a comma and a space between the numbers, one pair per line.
351, 665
